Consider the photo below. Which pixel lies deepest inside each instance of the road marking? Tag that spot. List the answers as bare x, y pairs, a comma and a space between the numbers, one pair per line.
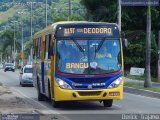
142, 96
50, 111
144, 90
116, 105
43, 112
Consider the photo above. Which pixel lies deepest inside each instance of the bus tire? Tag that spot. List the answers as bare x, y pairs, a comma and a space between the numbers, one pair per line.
41, 97
49, 91
108, 103
56, 104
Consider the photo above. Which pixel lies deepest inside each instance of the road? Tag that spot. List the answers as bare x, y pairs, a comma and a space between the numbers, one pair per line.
130, 104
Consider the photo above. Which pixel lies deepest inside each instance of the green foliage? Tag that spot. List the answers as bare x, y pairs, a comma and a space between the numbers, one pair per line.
7, 39
58, 10
28, 47
133, 18
138, 86
134, 25
100, 10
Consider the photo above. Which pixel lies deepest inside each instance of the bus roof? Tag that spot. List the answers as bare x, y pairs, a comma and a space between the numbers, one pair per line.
52, 28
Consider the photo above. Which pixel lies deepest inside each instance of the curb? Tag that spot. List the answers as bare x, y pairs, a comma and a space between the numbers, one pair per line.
142, 92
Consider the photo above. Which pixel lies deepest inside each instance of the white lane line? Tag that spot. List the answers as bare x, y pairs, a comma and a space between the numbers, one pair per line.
117, 106
143, 96
48, 111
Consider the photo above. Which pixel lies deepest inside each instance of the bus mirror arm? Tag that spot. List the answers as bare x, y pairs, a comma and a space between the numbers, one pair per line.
125, 40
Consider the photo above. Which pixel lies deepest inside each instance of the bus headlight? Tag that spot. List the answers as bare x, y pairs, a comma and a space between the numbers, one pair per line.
63, 84
116, 83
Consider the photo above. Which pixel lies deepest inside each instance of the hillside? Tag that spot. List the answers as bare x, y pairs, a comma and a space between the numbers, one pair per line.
57, 10
8, 14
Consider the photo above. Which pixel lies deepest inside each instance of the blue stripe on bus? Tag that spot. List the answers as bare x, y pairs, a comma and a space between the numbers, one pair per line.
89, 80
42, 71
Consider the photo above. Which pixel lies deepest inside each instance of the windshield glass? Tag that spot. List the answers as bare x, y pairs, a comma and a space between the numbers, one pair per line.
97, 56
9, 64
28, 70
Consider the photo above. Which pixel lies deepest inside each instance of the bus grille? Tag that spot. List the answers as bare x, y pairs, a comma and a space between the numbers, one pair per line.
92, 93
88, 80
86, 87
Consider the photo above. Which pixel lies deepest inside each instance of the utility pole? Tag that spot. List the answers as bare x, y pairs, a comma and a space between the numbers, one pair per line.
1, 58
31, 18
119, 14
22, 48
159, 56
14, 42
46, 14
70, 9
147, 82
22, 40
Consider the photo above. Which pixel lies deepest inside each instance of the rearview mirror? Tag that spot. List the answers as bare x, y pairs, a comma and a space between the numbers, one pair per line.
125, 42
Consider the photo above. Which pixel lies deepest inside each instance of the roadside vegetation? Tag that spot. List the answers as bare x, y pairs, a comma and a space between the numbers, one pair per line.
8, 14
141, 78
57, 11
133, 25
140, 87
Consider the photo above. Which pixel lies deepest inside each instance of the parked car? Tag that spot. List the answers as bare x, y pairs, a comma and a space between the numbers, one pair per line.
9, 67
26, 75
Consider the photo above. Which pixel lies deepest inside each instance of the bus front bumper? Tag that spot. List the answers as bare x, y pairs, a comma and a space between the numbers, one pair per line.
91, 95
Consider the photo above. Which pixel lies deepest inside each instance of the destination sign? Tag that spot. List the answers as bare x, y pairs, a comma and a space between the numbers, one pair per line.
107, 31
68, 31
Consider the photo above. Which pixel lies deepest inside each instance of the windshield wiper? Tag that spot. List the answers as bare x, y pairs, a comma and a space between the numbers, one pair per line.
80, 48
100, 45
98, 48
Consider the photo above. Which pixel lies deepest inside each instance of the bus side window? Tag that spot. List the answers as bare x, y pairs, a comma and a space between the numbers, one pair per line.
39, 48
50, 47
46, 46
36, 48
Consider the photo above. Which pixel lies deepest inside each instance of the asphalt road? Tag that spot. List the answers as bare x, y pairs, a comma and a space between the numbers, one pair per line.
131, 104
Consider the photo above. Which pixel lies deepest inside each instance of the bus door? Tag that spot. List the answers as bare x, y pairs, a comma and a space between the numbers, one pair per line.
47, 64
39, 66
42, 84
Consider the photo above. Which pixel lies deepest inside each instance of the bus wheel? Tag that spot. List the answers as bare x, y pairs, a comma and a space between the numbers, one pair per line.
41, 97
107, 103
55, 104
49, 91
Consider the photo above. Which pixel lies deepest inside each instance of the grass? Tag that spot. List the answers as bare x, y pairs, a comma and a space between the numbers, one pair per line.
137, 86
7, 14
140, 78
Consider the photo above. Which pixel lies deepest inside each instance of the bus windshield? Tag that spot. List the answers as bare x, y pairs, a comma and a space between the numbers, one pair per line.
89, 56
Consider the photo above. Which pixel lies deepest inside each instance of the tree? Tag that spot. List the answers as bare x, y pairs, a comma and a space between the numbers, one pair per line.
7, 36
8, 39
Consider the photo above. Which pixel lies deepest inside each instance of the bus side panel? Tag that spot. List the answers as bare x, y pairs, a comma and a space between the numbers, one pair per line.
34, 73
53, 67
52, 77
42, 77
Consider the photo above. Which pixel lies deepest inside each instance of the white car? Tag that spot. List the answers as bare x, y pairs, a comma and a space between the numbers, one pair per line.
26, 76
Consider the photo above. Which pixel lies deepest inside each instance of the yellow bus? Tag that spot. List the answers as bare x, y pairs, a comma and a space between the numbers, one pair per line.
78, 61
